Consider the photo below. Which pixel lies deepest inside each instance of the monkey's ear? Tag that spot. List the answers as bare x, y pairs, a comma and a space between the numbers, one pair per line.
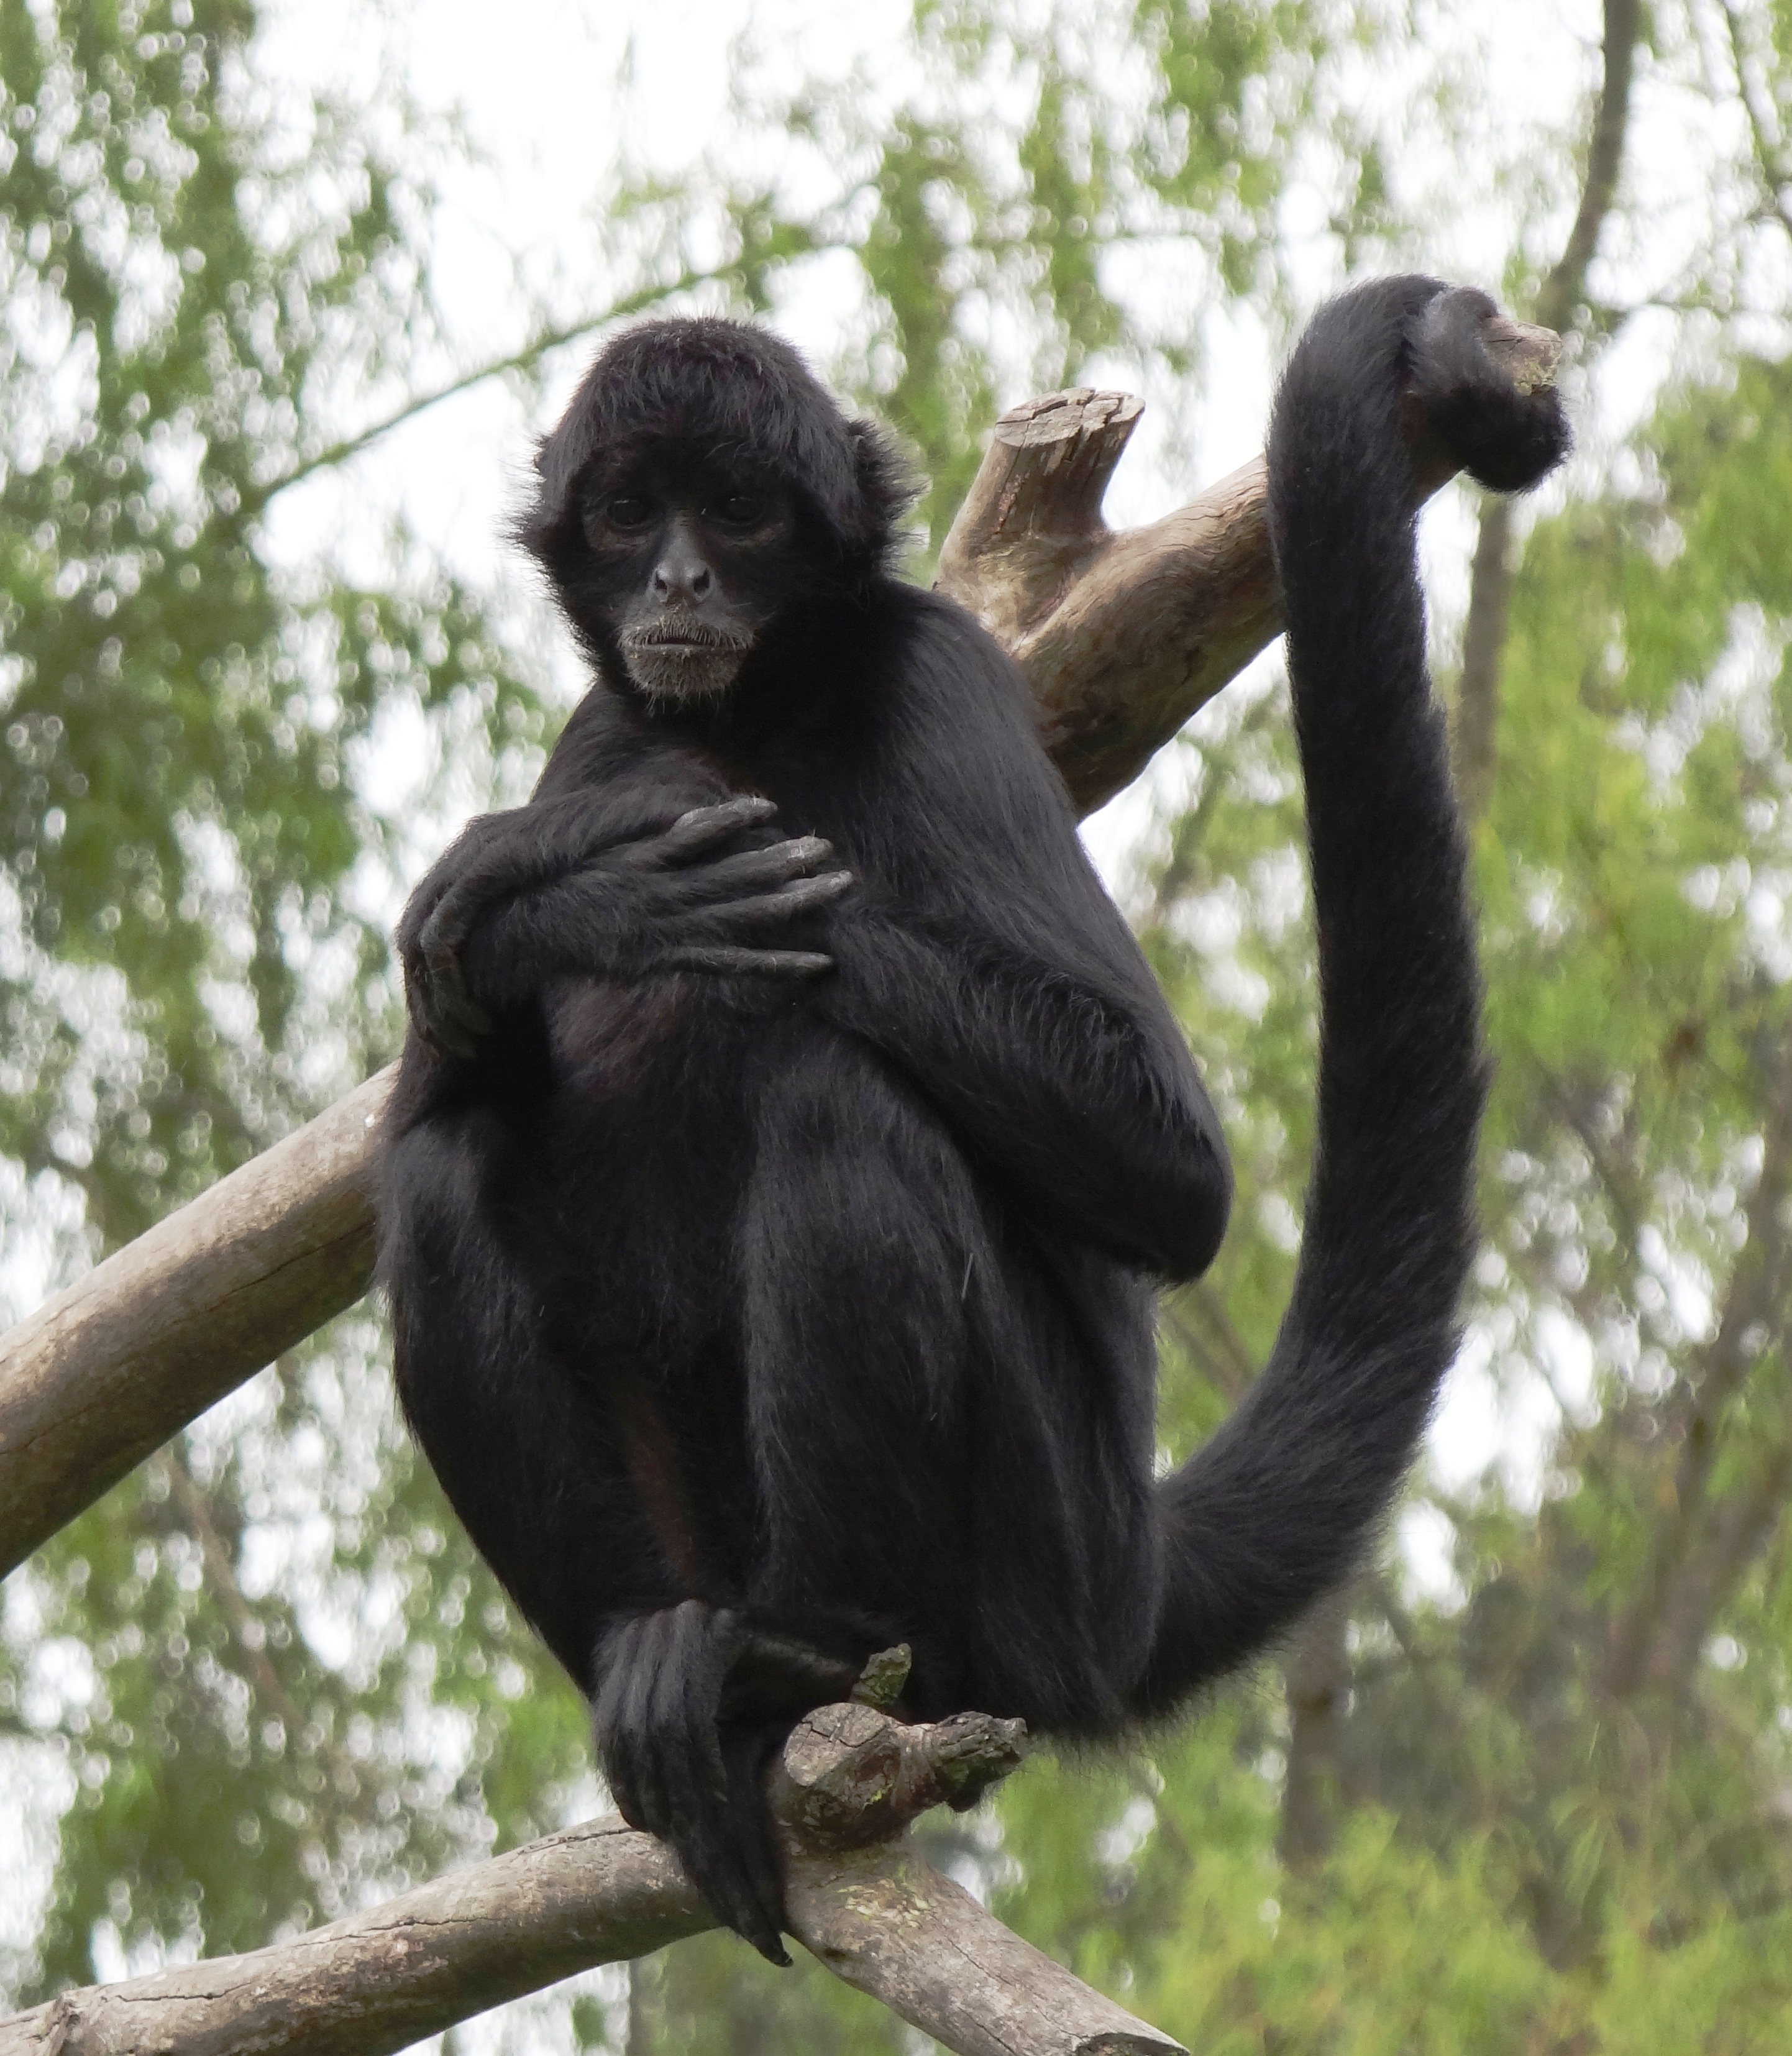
561, 457
888, 484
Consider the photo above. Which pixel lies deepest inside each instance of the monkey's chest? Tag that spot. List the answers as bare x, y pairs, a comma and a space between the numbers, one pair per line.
641, 1147
610, 1043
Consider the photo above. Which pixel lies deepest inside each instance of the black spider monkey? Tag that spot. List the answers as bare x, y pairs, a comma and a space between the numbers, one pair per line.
791, 1135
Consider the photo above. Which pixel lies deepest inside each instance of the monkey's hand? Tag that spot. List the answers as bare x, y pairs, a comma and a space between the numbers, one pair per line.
692, 1704
1480, 396
553, 888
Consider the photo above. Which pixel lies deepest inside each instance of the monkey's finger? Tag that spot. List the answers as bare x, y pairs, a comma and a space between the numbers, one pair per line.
752, 1838
754, 870
451, 1004
414, 1005
702, 1707
687, 1685
705, 828
464, 905
736, 1893
426, 1016
800, 897
723, 961
704, 1642
637, 1759
761, 1923
447, 1041
732, 1876
692, 1807
616, 1737
458, 1023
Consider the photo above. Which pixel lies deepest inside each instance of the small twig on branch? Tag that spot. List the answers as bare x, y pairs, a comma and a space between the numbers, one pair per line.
1640, 1651
860, 1899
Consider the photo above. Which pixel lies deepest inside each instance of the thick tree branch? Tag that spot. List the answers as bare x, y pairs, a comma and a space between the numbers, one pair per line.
1123, 635
860, 1899
105, 1373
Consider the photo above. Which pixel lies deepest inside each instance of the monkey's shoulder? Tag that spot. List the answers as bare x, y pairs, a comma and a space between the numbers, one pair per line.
609, 746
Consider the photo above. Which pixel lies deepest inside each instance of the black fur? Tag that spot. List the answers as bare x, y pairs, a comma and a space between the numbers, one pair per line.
772, 1270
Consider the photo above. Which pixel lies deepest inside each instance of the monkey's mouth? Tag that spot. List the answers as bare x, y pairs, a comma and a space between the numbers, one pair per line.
683, 658
685, 632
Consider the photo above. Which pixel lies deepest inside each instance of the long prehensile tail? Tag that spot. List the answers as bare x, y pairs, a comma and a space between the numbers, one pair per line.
1276, 1509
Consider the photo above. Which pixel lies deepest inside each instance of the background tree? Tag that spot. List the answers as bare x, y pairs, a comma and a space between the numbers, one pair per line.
1527, 1787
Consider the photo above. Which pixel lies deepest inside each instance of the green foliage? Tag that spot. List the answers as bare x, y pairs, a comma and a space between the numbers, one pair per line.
273, 1676
1048, 154
193, 271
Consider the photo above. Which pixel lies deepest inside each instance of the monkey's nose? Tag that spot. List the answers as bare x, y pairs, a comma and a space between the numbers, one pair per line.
679, 576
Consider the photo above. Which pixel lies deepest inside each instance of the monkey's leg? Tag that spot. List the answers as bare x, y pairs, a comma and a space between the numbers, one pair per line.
547, 1475
534, 1461
854, 1336
568, 1483
951, 1420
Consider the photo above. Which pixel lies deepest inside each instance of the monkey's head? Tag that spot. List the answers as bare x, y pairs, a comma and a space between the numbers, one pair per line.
701, 483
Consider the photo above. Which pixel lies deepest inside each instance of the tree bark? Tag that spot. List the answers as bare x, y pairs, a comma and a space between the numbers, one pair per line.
860, 1898
105, 1373
1318, 1672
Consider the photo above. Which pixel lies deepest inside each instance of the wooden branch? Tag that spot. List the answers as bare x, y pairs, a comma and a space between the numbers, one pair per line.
1122, 637
1124, 634
860, 1899
105, 1373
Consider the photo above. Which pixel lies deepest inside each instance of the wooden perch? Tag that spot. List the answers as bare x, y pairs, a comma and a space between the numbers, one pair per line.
1123, 636
861, 1898
105, 1373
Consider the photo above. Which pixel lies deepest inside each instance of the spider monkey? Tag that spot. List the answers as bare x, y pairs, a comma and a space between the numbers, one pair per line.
790, 1136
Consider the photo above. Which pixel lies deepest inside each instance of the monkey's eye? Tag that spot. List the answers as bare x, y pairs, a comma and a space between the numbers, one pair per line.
741, 510
628, 510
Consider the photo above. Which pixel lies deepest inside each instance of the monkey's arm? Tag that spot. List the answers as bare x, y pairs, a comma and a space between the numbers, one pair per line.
984, 958
609, 883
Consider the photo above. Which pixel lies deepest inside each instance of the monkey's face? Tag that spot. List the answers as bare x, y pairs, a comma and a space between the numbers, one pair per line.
685, 564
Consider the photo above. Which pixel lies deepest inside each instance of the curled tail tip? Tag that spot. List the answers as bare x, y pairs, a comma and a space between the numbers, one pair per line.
1477, 388
1485, 386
